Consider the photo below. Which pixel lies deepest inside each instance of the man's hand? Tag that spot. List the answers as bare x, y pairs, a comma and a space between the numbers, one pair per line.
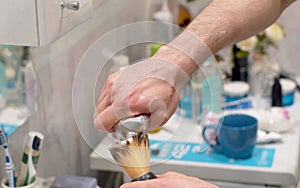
150, 87
170, 180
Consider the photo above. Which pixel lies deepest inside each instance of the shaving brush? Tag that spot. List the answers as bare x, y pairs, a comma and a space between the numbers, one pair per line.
133, 154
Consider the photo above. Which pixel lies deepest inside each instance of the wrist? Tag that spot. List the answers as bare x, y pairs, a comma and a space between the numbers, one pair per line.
186, 50
175, 56
171, 65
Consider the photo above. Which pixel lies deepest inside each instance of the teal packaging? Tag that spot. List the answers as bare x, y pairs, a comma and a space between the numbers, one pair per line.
207, 89
3, 83
211, 90
211, 93
288, 91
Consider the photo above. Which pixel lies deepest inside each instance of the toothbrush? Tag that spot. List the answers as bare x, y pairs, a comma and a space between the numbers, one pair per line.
9, 166
30, 177
30, 157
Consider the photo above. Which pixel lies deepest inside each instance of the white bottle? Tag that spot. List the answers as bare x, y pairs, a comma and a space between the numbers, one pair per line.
11, 56
30, 88
185, 103
165, 15
119, 62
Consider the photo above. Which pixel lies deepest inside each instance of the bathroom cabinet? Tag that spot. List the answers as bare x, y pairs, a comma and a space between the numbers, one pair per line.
40, 22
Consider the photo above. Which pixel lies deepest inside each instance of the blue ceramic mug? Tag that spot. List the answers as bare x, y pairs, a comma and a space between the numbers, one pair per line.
236, 135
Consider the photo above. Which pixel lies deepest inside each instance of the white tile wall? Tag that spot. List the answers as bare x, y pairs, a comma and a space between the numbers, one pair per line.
65, 152
288, 53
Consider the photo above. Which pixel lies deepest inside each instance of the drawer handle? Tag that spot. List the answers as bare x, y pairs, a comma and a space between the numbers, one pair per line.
71, 5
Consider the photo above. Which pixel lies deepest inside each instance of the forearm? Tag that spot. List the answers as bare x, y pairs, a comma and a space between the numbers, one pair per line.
228, 21
221, 23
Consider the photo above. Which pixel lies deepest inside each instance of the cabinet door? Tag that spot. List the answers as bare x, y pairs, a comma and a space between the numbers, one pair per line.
54, 21
39, 22
18, 22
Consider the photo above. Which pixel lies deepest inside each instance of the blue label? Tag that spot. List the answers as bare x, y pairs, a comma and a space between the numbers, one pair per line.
194, 152
237, 103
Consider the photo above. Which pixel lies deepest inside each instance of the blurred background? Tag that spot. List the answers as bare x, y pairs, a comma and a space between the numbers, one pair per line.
52, 40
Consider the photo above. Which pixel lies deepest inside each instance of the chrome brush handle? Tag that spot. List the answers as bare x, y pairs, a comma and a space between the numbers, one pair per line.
147, 176
130, 126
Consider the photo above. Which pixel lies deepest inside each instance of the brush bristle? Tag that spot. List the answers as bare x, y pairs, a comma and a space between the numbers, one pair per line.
3, 138
133, 155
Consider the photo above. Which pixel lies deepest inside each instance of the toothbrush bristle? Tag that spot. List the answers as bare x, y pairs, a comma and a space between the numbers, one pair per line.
3, 138
36, 143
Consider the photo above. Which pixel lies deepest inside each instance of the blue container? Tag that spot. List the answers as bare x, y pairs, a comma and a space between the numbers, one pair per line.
185, 105
288, 91
236, 94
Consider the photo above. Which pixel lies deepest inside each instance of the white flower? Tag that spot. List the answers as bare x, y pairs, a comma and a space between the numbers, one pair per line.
248, 44
275, 32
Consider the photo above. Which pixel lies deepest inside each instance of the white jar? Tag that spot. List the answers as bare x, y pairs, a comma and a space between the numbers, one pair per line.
236, 90
236, 95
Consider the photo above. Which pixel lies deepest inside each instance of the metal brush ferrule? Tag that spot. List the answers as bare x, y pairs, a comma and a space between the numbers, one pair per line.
147, 176
126, 128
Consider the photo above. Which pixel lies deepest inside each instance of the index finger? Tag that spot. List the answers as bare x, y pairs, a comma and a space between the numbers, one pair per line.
106, 120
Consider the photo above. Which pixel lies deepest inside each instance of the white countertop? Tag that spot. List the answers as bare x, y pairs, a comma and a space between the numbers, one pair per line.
284, 169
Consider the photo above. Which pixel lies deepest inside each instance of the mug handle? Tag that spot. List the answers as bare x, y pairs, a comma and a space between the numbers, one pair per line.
215, 147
